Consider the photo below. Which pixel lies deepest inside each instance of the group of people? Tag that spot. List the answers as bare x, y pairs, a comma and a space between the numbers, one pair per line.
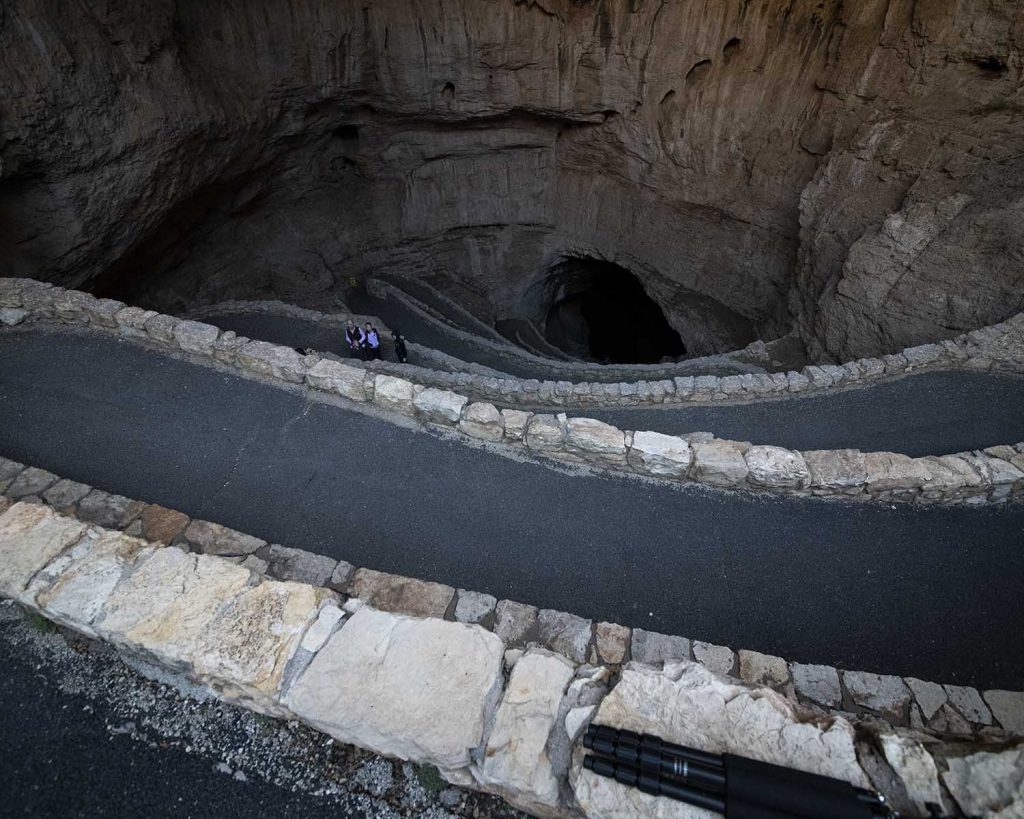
364, 342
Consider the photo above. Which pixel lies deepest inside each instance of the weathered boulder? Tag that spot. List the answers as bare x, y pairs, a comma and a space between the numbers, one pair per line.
545, 432
300, 566
988, 784
654, 648
817, 683
408, 595
515, 422
272, 360
590, 437
841, 469
566, 633
214, 539
882, 693
416, 689
195, 336
514, 622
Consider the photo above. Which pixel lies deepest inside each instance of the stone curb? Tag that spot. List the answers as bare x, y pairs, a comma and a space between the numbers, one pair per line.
454, 695
905, 702
995, 475
976, 350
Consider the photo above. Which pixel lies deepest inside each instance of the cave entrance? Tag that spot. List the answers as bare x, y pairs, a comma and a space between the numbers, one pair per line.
600, 311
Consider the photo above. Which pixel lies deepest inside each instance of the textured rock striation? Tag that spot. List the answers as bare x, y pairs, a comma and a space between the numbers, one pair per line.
852, 171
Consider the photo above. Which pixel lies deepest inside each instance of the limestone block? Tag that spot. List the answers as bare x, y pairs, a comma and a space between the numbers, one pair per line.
9, 469
70, 305
1008, 709
514, 622
653, 453
483, 421
515, 422
440, 406
474, 607
545, 432
719, 659
102, 312
653, 648
199, 615
763, 669
516, 762
31, 481
888, 470
776, 467
226, 347
109, 511
325, 625
969, 703
392, 592
915, 768
333, 376
341, 576
416, 689
930, 697
65, 494
31, 535
162, 524
589, 436
836, 468
922, 355
612, 642
719, 463
817, 683
214, 539
131, 321
988, 784
161, 328
196, 337
300, 566
882, 693
565, 633
394, 393
964, 470
272, 360
689, 705
73, 589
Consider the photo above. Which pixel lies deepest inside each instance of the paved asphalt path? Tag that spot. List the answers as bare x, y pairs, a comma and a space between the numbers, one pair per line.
933, 413
928, 592
58, 760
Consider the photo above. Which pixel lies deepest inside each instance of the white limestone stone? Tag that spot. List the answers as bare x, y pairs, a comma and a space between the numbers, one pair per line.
763, 669
73, 589
440, 406
516, 762
333, 376
929, 696
915, 768
719, 463
272, 360
654, 453
420, 690
545, 432
31, 535
590, 436
515, 423
472, 607
688, 704
777, 468
483, 421
324, 626
1008, 708
195, 336
817, 683
836, 468
988, 784
879, 692
719, 659
969, 703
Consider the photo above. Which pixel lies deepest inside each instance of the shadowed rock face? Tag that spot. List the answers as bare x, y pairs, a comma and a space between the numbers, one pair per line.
851, 170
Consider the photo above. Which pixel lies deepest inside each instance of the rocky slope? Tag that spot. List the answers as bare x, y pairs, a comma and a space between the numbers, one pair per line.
851, 170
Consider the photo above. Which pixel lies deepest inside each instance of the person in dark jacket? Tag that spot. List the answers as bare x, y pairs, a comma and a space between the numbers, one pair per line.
371, 342
400, 352
354, 339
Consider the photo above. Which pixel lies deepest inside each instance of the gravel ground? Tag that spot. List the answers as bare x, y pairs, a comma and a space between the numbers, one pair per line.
83, 732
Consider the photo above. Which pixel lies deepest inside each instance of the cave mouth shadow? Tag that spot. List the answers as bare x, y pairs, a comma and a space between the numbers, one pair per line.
601, 312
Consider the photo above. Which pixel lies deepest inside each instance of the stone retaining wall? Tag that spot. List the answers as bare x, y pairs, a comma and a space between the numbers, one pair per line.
998, 348
496, 695
995, 475
904, 702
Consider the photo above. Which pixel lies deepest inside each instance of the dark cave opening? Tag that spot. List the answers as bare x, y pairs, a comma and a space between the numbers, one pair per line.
600, 311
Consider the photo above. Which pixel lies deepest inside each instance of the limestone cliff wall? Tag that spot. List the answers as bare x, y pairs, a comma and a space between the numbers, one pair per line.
853, 170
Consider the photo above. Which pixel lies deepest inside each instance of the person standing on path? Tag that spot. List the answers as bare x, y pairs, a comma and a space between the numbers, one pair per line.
354, 338
400, 352
371, 343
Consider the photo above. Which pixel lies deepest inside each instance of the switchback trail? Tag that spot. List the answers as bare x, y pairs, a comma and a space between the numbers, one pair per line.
928, 592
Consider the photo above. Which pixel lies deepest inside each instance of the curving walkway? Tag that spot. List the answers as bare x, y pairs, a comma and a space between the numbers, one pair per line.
928, 592
929, 413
